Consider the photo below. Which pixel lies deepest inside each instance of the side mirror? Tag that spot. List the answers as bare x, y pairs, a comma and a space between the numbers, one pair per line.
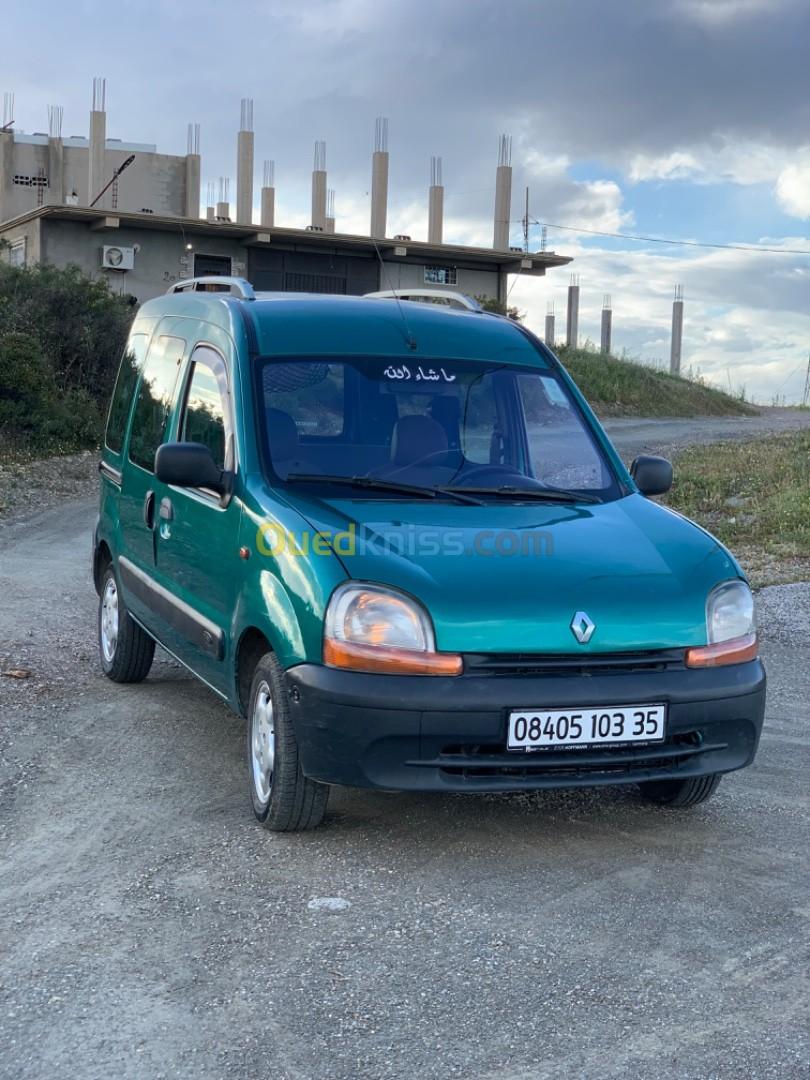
189, 464
652, 475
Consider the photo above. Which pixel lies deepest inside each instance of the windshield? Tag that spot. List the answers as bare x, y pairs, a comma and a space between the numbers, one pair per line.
492, 428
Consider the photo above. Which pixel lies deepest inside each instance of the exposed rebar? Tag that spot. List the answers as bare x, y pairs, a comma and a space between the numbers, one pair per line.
246, 118
99, 94
381, 134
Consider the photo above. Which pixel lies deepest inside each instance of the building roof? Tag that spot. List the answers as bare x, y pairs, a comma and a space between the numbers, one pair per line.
532, 264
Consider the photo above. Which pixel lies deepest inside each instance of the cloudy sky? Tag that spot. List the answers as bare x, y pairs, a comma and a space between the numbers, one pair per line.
685, 119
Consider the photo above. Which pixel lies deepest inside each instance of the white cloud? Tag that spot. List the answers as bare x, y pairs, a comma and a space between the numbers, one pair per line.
746, 316
720, 12
793, 190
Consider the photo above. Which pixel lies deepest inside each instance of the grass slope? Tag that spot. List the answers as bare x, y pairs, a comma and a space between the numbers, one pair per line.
616, 387
755, 497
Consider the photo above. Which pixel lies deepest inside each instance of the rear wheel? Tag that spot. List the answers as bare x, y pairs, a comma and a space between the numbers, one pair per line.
681, 793
284, 800
126, 651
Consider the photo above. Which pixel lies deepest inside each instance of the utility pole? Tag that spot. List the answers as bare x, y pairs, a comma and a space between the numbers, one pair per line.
526, 224
806, 395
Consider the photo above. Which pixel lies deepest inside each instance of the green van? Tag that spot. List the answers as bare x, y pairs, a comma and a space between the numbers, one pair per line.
393, 535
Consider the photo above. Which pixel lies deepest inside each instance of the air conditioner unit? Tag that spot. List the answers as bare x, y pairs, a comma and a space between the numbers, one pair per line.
118, 258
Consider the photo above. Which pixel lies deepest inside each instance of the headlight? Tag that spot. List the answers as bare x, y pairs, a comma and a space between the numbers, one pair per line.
730, 628
729, 612
373, 628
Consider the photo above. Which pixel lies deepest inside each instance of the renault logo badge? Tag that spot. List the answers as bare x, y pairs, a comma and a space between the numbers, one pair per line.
582, 627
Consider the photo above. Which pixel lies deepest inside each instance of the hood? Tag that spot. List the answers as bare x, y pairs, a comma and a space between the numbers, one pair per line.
506, 578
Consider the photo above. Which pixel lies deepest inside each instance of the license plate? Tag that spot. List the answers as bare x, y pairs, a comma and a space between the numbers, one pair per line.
531, 729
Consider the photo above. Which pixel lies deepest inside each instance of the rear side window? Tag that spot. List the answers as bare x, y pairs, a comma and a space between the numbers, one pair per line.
154, 400
205, 415
124, 389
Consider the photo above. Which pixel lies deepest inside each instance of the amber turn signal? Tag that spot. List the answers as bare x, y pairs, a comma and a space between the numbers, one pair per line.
383, 658
736, 651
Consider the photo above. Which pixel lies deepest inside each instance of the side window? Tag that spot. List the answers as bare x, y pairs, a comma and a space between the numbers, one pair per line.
154, 400
205, 412
131, 364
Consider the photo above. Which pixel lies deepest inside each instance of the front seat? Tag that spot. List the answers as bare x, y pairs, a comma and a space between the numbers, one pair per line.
418, 444
282, 435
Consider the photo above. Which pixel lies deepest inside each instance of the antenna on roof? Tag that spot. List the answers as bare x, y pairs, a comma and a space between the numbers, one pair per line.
410, 340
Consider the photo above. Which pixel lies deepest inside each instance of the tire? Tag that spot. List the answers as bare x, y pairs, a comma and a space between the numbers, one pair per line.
284, 800
681, 793
126, 651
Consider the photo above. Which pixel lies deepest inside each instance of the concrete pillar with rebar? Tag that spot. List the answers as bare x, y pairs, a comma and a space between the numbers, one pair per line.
210, 201
318, 220
224, 203
607, 324
503, 194
572, 314
56, 157
379, 179
677, 332
7, 156
330, 210
192, 200
96, 177
549, 336
268, 210
435, 202
244, 164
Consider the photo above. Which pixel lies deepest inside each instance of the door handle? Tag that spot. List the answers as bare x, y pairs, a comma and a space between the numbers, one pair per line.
166, 511
149, 510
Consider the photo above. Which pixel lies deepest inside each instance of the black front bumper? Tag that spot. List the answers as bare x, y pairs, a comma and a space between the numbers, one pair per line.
428, 733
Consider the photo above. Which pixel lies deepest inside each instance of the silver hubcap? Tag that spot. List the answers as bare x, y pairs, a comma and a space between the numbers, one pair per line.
109, 621
262, 743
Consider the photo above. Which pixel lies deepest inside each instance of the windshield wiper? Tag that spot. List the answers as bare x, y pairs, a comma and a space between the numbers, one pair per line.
545, 494
374, 483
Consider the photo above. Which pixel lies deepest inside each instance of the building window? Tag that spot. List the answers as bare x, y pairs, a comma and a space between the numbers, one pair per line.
441, 275
16, 253
30, 181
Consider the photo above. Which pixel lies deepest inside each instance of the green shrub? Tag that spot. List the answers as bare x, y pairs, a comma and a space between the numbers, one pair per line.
61, 338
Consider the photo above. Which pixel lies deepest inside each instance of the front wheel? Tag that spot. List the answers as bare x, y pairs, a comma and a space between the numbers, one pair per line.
284, 800
126, 651
681, 793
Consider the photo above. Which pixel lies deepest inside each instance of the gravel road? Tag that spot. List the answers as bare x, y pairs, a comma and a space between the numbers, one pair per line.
151, 929
645, 435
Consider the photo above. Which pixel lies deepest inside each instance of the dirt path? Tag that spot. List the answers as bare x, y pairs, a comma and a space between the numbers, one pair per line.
151, 929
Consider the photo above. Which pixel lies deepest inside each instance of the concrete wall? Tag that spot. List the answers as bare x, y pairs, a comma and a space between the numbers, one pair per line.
162, 258
402, 275
153, 181
31, 232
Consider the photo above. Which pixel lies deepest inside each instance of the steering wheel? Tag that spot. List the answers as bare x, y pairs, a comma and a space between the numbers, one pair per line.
418, 463
505, 471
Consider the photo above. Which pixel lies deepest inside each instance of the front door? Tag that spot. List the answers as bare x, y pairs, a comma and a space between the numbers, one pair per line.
197, 541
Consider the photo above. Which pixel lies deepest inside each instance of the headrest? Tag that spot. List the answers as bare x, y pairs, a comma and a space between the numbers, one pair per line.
283, 435
415, 437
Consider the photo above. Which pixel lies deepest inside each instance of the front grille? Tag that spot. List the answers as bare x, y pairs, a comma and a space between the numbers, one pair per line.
571, 664
487, 762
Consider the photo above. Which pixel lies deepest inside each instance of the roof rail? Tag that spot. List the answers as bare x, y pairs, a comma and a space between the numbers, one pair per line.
234, 285
457, 298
